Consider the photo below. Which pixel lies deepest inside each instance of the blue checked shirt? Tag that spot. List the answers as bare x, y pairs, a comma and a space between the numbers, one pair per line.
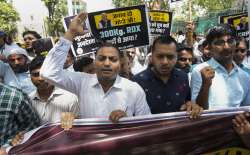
16, 113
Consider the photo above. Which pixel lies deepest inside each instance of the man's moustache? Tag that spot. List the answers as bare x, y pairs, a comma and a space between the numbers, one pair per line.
106, 69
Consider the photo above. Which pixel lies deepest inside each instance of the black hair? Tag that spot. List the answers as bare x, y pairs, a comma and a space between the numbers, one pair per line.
34, 33
163, 40
204, 43
220, 31
107, 44
82, 62
122, 54
241, 39
184, 48
7, 39
180, 33
36, 63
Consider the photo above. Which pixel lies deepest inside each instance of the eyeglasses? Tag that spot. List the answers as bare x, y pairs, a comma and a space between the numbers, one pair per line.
35, 74
241, 50
186, 59
231, 42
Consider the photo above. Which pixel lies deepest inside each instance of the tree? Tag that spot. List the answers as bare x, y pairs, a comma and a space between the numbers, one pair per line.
57, 10
152, 4
214, 5
8, 18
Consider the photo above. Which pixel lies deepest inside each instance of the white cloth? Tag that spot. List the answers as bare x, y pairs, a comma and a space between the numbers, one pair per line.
7, 48
137, 67
58, 102
180, 38
25, 82
7, 75
246, 62
16, 50
123, 95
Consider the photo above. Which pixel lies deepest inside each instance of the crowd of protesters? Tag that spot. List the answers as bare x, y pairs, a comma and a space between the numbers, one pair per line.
186, 74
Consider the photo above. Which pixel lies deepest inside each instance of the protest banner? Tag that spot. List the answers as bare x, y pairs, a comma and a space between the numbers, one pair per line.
224, 19
169, 133
160, 22
239, 22
83, 44
124, 27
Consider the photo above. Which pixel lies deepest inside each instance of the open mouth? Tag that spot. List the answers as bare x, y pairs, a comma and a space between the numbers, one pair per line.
106, 71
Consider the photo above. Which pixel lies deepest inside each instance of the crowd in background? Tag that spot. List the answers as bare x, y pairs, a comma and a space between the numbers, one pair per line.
176, 73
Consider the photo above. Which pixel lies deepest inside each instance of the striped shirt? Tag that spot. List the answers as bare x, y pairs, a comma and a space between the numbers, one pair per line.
59, 101
16, 113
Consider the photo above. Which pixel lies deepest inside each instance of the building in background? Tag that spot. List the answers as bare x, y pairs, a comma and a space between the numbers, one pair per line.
76, 6
33, 12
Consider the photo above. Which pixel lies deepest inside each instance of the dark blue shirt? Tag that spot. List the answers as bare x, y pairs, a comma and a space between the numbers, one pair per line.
164, 97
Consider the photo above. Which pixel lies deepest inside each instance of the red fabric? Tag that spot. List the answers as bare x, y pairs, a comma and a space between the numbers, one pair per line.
176, 136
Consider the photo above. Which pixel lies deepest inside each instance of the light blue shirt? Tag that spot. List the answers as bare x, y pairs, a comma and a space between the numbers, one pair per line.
25, 82
8, 76
244, 68
227, 89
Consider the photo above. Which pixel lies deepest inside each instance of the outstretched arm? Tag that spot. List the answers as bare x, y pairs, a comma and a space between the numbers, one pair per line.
52, 68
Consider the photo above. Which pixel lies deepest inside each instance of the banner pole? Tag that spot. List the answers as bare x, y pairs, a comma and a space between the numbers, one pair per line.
248, 10
190, 10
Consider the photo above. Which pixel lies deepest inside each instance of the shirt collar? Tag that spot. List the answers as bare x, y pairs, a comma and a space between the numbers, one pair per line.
118, 84
215, 64
152, 74
35, 96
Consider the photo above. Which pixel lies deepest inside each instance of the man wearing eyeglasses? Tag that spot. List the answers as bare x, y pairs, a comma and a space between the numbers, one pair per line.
240, 53
219, 82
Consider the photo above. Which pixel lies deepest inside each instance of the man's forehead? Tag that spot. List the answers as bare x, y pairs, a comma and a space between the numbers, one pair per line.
108, 51
16, 56
130, 50
36, 70
29, 35
225, 37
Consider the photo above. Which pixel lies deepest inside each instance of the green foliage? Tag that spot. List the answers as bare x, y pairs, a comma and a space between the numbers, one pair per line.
8, 18
57, 10
150, 3
214, 5
124, 3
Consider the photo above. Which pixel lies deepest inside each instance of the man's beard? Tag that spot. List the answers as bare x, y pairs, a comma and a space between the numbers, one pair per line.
186, 69
21, 69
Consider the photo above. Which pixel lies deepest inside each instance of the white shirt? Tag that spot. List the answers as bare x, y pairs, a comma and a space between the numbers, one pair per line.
137, 67
123, 95
58, 102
